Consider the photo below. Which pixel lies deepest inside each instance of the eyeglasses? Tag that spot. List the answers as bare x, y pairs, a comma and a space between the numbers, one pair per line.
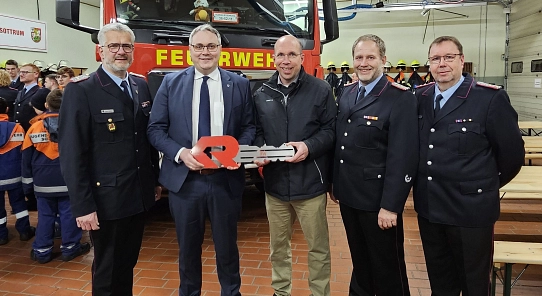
25, 72
447, 58
210, 47
115, 47
290, 56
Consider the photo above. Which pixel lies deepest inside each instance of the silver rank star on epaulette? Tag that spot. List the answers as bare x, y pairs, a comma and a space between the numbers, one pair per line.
80, 78
424, 85
137, 75
399, 86
484, 84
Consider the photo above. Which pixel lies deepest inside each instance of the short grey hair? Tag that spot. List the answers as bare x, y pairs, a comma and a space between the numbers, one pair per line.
370, 37
205, 27
115, 27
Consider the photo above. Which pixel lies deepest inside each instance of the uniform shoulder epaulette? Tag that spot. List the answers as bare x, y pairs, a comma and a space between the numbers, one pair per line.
424, 85
80, 78
484, 84
137, 75
400, 86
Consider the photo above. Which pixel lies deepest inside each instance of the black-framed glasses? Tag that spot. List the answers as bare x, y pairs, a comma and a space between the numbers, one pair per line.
115, 47
447, 58
211, 47
282, 56
26, 72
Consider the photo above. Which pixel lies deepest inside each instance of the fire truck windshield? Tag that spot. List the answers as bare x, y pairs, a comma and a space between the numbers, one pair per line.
247, 16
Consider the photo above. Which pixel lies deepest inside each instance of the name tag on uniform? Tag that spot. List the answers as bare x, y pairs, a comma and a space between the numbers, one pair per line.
39, 138
17, 137
105, 111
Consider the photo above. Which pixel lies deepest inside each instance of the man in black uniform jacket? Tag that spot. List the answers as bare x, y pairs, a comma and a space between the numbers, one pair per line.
376, 154
108, 164
470, 146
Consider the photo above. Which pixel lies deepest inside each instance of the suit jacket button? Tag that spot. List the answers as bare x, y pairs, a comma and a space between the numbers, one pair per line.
345, 134
97, 183
429, 178
430, 146
349, 120
341, 161
429, 163
464, 129
379, 176
368, 123
432, 130
342, 147
479, 190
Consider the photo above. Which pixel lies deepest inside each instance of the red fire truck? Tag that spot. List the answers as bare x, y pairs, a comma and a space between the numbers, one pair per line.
248, 28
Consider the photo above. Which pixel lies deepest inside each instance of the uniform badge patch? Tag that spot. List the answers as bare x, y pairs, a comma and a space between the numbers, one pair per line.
80, 78
484, 84
399, 86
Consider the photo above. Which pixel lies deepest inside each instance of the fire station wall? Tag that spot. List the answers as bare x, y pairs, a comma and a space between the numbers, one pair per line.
482, 34
63, 43
524, 85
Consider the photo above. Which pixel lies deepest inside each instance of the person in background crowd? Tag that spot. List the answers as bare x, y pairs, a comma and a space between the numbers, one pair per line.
40, 163
7, 92
50, 82
296, 108
24, 112
203, 100
63, 76
376, 154
108, 164
11, 139
470, 146
13, 69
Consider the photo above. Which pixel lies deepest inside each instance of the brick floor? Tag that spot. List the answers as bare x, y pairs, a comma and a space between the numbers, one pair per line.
156, 273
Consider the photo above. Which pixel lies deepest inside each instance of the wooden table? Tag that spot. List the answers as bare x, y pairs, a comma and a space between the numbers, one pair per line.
533, 147
528, 180
511, 253
530, 126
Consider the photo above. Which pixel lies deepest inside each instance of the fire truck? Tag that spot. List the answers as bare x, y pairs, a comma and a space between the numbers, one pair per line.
248, 28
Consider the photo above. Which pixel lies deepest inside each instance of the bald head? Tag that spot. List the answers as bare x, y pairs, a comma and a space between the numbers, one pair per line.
288, 58
288, 39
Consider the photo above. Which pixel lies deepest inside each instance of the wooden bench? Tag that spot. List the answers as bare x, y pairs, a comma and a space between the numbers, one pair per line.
511, 253
521, 195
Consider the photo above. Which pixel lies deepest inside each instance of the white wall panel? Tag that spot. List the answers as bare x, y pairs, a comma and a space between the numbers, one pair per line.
525, 46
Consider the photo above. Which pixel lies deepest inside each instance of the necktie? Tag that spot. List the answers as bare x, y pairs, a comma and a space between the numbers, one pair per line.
361, 93
437, 104
125, 89
204, 124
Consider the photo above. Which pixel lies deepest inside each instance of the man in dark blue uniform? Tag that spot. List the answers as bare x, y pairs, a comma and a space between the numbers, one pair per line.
376, 154
470, 146
13, 69
107, 162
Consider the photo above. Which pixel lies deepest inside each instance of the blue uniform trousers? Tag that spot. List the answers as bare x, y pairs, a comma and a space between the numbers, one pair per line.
18, 205
48, 208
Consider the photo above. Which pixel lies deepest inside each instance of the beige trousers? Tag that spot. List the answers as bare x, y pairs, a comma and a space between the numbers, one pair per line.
311, 214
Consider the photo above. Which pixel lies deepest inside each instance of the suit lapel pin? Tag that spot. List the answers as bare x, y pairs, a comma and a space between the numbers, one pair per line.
227, 85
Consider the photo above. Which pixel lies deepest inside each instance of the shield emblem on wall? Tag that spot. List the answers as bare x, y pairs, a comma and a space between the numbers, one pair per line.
36, 34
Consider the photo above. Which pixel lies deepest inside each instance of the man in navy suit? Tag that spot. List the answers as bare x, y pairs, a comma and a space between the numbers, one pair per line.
202, 100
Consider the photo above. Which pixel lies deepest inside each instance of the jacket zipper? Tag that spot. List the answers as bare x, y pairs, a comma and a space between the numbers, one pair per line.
319, 172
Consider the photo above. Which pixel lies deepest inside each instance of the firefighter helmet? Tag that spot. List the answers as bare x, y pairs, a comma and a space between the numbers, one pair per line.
330, 65
415, 63
401, 63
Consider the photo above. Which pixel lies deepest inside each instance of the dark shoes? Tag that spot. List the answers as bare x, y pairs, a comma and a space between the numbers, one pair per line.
28, 235
40, 260
85, 248
3, 241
